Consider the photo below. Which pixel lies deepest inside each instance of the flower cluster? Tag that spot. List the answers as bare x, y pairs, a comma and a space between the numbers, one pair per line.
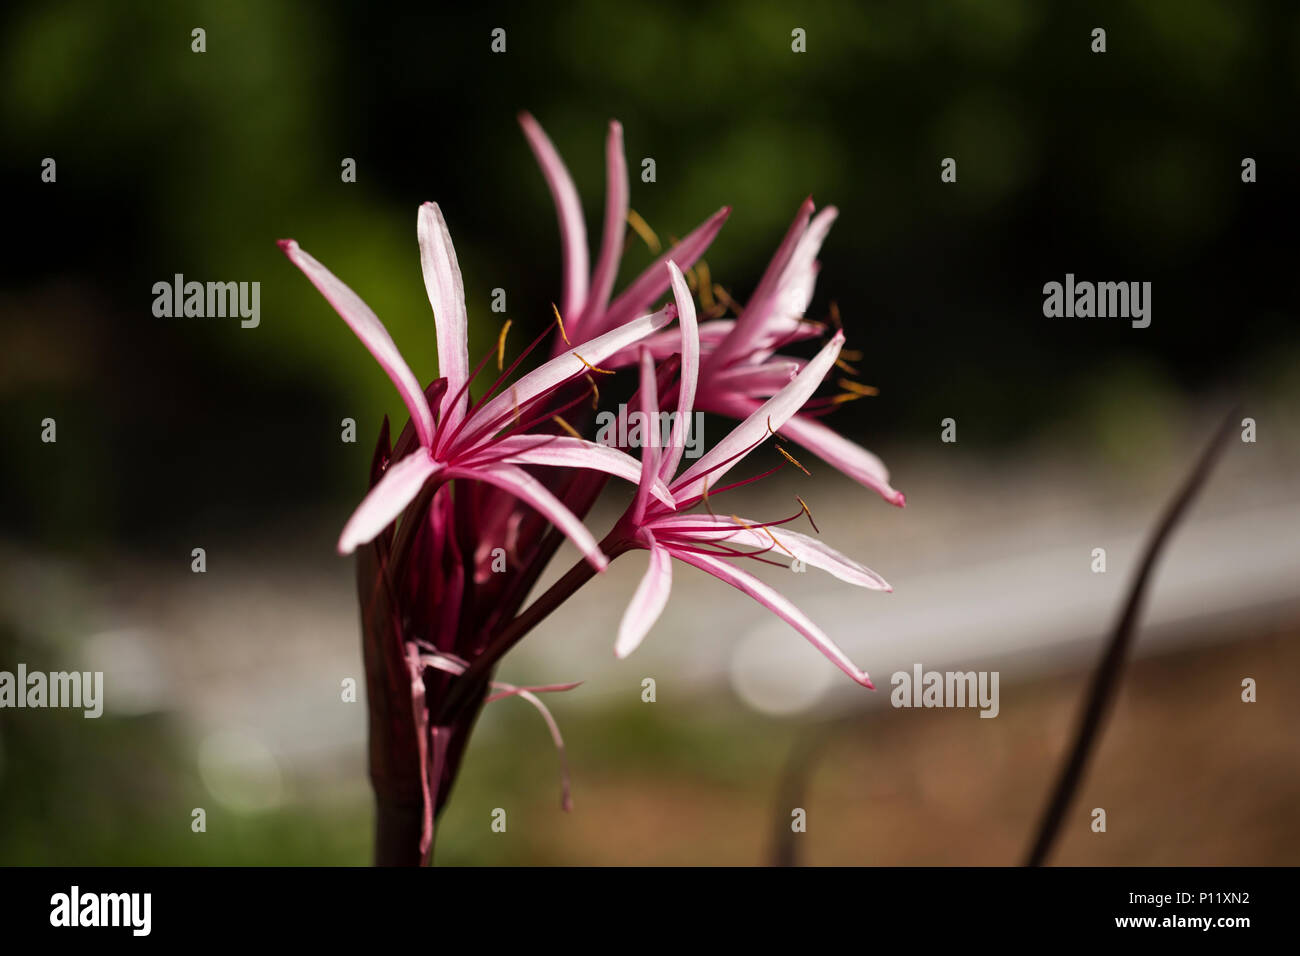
468, 505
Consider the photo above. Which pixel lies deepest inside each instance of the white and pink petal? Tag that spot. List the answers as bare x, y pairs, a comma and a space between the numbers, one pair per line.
389, 497
367, 327
648, 602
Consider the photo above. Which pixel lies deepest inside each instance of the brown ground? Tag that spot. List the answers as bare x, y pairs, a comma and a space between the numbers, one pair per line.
1187, 774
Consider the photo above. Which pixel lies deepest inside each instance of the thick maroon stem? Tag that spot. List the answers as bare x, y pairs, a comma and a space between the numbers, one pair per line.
397, 833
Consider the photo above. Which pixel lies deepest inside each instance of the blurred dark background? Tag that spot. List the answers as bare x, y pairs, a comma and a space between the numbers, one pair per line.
1122, 166
172, 432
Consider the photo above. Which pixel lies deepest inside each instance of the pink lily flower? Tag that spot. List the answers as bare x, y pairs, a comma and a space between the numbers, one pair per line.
437, 612
585, 297
708, 541
741, 368
460, 441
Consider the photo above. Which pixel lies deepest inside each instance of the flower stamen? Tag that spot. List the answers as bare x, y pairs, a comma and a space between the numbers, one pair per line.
602, 371
808, 511
564, 335
706, 284
792, 460
857, 387
766, 530
559, 420
501, 345
725, 298
642, 229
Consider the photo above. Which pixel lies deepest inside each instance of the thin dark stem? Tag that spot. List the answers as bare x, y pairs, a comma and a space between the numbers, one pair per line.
804, 756
1106, 678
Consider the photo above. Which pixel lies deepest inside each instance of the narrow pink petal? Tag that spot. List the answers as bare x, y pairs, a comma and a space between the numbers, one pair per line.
760, 381
750, 324
424, 734
566, 795
780, 332
647, 287
794, 291
490, 418
715, 330
567, 452
387, 499
510, 690
802, 547
372, 334
449, 663
779, 605
840, 453
650, 450
827, 444
690, 373
446, 289
616, 206
771, 414
669, 343
771, 279
568, 210
531, 491
648, 602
